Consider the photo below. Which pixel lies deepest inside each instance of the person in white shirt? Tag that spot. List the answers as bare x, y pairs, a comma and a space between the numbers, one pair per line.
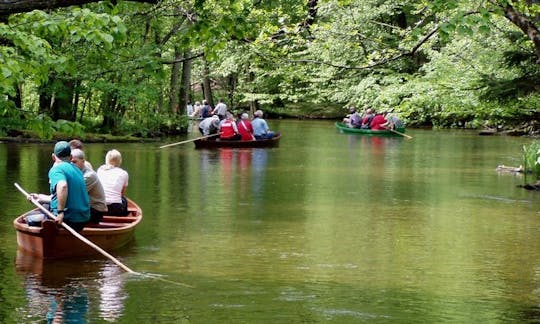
114, 180
220, 110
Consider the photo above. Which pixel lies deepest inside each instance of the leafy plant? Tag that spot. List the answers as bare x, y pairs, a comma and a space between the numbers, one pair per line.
531, 159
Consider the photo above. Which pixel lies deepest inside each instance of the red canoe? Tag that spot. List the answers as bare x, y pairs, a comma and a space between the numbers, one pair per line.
48, 241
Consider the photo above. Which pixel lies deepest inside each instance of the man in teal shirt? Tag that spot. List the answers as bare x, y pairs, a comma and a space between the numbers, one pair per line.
69, 198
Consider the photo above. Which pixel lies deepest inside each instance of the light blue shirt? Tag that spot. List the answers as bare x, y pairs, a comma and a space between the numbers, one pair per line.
260, 127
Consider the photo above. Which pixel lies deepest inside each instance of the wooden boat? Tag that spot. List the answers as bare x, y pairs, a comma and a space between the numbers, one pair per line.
48, 241
216, 143
385, 133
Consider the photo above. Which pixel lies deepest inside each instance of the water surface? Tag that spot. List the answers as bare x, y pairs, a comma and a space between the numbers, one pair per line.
327, 227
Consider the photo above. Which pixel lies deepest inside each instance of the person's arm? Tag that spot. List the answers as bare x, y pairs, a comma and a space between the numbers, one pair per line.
61, 196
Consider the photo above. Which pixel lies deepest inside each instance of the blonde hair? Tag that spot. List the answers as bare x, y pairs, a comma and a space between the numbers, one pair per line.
113, 158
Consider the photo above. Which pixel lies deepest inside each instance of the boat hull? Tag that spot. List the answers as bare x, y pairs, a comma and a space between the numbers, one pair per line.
383, 133
48, 241
210, 143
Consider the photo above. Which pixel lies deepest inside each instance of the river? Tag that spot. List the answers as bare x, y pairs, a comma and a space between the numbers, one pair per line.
327, 227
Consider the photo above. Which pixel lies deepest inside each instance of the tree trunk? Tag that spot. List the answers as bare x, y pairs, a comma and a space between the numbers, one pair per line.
62, 106
174, 90
185, 86
207, 88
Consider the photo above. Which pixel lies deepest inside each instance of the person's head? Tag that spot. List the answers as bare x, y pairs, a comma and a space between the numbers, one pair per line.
76, 144
352, 110
258, 113
229, 116
205, 102
78, 158
113, 158
197, 103
369, 111
244, 116
220, 100
62, 151
215, 121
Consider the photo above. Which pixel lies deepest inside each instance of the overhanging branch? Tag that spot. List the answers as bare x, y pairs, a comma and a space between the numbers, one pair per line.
8, 7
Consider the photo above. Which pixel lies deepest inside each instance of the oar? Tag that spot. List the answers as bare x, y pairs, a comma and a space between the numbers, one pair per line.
191, 140
72, 231
400, 133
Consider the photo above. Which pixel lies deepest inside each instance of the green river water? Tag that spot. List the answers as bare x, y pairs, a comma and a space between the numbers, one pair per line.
326, 228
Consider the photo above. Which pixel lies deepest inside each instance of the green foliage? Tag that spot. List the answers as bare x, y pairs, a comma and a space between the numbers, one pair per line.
531, 158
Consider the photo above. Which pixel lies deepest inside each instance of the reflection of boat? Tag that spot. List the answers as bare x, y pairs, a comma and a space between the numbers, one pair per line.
48, 241
385, 133
210, 143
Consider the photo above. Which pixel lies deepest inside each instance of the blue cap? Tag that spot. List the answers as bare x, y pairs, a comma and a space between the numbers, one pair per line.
62, 149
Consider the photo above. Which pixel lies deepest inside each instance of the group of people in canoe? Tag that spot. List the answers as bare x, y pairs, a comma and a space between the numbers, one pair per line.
78, 194
243, 128
370, 119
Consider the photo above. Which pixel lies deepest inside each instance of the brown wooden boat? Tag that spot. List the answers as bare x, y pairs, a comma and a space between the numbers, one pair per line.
48, 241
217, 143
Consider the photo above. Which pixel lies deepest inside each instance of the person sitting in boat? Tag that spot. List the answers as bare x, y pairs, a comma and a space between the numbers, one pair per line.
229, 129
366, 120
115, 181
378, 120
245, 128
353, 119
68, 200
392, 121
77, 144
209, 126
98, 202
260, 127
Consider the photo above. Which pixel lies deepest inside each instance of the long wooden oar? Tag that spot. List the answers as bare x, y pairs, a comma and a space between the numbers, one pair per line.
72, 231
400, 133
191, 140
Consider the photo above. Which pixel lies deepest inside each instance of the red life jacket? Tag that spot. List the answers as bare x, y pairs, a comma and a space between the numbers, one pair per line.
227, 129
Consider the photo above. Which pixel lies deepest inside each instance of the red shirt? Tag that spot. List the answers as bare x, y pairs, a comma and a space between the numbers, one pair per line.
246, 130
377, 121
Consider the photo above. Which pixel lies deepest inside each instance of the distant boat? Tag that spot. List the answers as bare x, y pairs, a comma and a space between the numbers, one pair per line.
217, 143
385, 133
48, 241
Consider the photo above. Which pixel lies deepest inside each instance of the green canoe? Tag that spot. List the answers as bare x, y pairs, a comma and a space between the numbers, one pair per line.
385, 133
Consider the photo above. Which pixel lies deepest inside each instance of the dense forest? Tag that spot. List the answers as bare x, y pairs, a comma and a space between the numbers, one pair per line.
130, 67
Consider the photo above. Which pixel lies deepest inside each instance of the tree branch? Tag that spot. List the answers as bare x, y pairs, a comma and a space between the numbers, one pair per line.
8, 7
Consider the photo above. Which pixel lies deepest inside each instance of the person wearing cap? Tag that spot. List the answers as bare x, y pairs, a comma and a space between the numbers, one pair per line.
69, 199
260, 127
209, 125
245, 128
98, 203
392, 121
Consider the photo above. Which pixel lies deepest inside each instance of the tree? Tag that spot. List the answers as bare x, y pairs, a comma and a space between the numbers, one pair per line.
13, 7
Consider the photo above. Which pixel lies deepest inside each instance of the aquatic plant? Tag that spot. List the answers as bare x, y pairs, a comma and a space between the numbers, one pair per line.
531, 159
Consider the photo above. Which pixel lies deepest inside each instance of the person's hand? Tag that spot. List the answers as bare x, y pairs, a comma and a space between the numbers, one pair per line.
59, 218
33, 196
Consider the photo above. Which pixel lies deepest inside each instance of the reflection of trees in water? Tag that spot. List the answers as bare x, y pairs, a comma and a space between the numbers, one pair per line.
62, 291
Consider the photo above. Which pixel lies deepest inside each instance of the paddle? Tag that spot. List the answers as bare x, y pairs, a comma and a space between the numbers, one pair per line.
404, 135
191, 140
72, 231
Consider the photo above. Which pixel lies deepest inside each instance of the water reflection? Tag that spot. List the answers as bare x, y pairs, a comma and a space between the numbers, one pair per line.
62, 291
